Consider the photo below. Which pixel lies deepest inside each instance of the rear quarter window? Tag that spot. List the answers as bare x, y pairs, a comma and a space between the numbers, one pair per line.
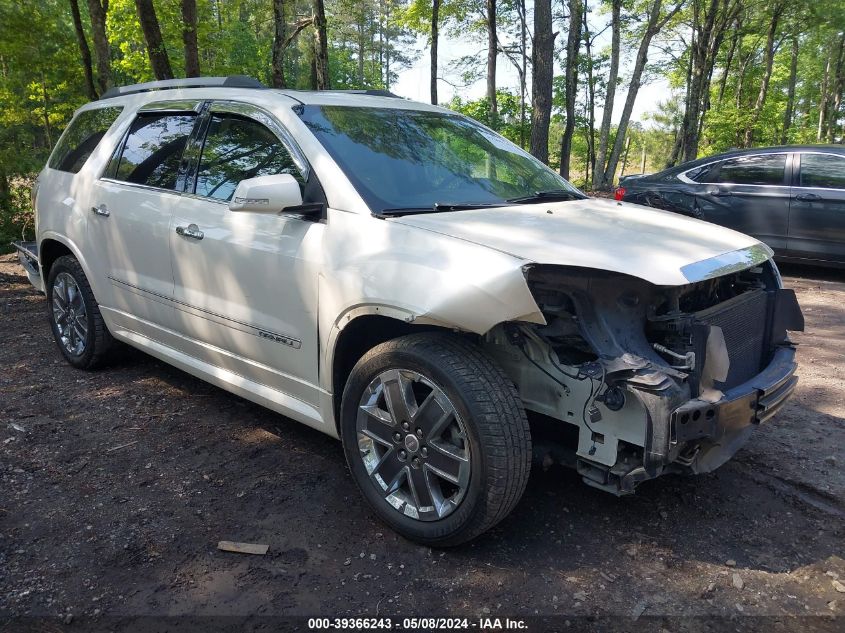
81, 138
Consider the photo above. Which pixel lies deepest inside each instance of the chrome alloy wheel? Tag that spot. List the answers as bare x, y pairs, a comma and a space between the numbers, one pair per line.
413, 445
69, 314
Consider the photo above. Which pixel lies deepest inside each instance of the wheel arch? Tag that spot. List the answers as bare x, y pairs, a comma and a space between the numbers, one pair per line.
359, 335
51, 247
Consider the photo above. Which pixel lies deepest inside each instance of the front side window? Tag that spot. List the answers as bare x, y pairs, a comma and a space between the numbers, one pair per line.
235, 149
153, 149
825, 171
762, 169
411, 159
82, 137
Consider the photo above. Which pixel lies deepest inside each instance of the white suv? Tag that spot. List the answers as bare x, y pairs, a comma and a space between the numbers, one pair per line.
402, 278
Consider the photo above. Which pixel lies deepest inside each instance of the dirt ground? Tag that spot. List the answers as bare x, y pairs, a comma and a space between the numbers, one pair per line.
115, 487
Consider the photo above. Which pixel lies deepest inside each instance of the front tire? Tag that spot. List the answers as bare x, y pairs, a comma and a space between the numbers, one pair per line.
78, 327
436, 437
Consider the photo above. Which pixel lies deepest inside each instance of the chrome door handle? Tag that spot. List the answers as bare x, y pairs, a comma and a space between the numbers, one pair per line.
808, 197
192, 231
101, 209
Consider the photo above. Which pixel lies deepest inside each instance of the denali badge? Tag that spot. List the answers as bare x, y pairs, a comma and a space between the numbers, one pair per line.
278, 338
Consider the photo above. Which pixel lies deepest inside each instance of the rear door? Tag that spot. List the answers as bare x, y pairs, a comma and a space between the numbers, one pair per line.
817, 216
749, 194
131, 209
246, 282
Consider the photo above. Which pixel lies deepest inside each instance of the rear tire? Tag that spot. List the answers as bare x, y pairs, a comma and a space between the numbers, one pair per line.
436, 437
75, 319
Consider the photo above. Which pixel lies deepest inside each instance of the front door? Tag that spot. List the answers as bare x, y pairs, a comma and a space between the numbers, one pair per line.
246, 282
817, 217
749, 194
129, 225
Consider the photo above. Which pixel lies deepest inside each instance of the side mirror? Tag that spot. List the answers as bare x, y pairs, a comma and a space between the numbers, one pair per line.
266, 194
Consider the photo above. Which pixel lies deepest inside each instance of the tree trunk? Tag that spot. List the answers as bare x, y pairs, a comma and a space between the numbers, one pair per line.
98, 11
312, 65
625, 156
159, 61
189, 38
723, 80
591, 96
542, 59
492, 53
387, 36
825, 96
678, 147
573, 41
599, 181
279, 36
523, 36
435, 32
520, 64
705, 106
84, 51
838, 86
740, 81
767, 75
590, 106
282, 39
790, 95
362, 45
655, 23
710, 21
321, 46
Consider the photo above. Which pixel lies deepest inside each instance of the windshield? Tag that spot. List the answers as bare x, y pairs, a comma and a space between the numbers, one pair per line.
414, 160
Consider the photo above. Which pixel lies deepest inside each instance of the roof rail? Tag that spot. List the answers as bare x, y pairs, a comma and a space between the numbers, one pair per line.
374, 92
232, 81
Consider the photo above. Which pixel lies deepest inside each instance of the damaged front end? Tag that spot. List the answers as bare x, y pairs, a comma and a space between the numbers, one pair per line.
652, 379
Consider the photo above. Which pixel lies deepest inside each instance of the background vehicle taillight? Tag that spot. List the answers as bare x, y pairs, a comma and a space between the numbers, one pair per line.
620, 193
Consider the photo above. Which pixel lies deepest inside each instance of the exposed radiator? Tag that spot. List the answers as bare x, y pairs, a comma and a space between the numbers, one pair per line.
744, 323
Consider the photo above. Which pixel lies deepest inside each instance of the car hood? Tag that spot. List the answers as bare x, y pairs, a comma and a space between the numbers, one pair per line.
661, 247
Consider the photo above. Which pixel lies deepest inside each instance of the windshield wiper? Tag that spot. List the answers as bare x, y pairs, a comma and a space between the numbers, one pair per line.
464, 206
440, 207
551, 194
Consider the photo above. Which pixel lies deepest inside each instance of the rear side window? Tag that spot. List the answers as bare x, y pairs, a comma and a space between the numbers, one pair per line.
81, 138
825, 171
699, 174
763, 169
235, 149
153, 149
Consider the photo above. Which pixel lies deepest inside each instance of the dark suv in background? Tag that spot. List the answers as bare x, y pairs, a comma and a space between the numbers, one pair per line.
792, 198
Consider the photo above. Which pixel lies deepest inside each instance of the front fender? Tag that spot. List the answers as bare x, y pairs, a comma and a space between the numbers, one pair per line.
434, 278
378, 267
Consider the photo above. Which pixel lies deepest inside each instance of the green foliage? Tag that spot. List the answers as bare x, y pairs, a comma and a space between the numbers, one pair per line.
42, 79
16, 220
371, 41
453, 16
507, 122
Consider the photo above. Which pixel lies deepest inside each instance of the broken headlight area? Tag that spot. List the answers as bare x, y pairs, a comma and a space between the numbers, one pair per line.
653, 378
